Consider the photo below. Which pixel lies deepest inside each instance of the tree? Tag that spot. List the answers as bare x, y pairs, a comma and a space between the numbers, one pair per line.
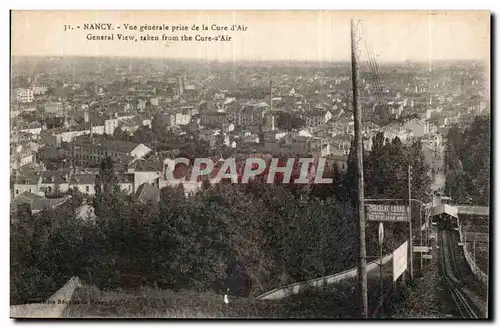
349, 179
119, 134
289, 121
467, 161
336, 180
205, 185
106, 187
421, 181
57, 189
143, 135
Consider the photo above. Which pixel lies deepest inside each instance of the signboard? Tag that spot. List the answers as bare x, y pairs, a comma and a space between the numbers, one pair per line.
427, 256
420, 249
381, 233
387, 213
399, 260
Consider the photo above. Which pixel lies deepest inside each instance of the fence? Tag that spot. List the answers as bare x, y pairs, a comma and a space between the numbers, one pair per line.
480, 275
52, 308
288, 290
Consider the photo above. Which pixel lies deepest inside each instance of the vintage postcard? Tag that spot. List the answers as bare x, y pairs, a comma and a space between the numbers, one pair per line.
250, 164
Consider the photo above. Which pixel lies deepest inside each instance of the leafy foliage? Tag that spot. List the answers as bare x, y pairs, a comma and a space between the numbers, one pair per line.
289, 121
246, 237
467, 161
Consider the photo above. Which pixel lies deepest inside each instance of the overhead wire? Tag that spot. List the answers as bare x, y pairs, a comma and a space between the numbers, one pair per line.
375, 73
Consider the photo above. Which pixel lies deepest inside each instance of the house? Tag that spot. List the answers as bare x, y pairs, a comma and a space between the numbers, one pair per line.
54, 182
182, 117
28, 199
419, 127
110, 125
130, 125
368, 140
190, 187
49, 138
146, 171
39, 89
83, 182
126, 183
227, 127
54, 108
320, 147
36, 203
21, 156
342, 142
34, 127
28, 182
340, 160
288, 145
177, 117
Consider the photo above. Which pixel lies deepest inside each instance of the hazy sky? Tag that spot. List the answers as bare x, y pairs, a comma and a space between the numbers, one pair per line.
271, 35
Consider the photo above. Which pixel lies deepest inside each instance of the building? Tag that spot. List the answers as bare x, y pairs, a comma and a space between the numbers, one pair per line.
420, 128
130, 125
54, 182
110, 125
213, 118
90, 151
178, 117
24, 95
340, 160
27, 182
126, 183
148, 171
83, 182
21, 156
54, 108
250, 115
35, 203
39, 90
154, 101
316, 117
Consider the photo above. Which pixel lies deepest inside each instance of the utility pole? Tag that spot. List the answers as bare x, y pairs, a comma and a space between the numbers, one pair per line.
421, 243
409, 222
474, 249
363, 284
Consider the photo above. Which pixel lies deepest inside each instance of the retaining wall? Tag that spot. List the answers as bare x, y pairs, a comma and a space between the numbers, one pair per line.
288, 290
52, 308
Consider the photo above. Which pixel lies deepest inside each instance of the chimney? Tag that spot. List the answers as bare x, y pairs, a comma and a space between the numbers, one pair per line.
271, 94
91, 131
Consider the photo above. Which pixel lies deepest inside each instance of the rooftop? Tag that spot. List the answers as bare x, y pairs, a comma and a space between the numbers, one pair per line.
109, 144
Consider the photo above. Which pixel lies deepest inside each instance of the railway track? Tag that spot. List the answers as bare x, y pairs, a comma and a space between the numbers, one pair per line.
448, 267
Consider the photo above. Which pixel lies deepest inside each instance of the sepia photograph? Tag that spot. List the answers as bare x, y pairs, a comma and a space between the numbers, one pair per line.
247, 164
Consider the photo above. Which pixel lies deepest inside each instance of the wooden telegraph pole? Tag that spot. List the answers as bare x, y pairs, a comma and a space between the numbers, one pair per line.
410, 253
363, 284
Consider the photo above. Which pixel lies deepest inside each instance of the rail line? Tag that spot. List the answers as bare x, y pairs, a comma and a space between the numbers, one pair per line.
448, 267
